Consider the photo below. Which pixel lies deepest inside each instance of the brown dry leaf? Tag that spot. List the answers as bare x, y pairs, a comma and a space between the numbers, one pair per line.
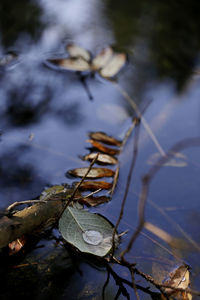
115, 180
178, 278
94, 185
72, 63
103, 148
17, 245
104, 138
114, 65
94, 172
77, 51
102, 158
102, 58
94, 201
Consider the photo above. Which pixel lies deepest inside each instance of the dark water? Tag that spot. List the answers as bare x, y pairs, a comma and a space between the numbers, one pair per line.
45, 116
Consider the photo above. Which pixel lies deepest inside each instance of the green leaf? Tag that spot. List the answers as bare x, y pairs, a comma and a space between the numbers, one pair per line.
89, 232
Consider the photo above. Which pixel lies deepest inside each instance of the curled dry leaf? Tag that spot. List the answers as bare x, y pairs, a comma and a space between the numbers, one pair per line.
178, 278
114, 65
94, 201
17, 245
95, 185
102, 58
104, 138
77, 51
72, 63
94, 172
102, 148
102, 158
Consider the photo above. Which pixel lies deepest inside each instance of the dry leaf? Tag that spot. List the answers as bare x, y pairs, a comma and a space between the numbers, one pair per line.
94, 185
103, 148
104, 138
72, 63
17, 245
102, 158
94, 172
94, 201
114, 65
77, 51
102, 58
115, 180
178, 278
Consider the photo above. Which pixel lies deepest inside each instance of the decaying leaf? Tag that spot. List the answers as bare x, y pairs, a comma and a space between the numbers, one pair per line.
102, 58
178, 278
104, 138
76, 51
95, 185
102, 158
72, 63
94, 172
102, 148
94, 201
114, 65
17, 245
177, 160
90, 233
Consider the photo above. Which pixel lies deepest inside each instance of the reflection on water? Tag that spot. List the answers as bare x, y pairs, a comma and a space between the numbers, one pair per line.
163, 43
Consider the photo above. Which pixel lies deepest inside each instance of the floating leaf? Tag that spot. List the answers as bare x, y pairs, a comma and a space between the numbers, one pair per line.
94, 201
104, 138
103, 148
115, 180
177, 160
72, 63
77, 51
102, 58
17, 245
114, 65
94, 172
102, 158
178, 278
95, 185
90, 233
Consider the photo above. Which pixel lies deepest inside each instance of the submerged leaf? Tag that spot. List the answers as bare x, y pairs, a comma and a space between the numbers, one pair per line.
102, 58
114, 65
177, 160
90, 233
102, 158
94, 172
104, 138
95, 185
102, 148
72, 63
77, 51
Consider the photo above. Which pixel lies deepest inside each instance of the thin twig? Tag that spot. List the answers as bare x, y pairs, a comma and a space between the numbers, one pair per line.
143, 120
105, 284
13, 205
134, 285
135, 151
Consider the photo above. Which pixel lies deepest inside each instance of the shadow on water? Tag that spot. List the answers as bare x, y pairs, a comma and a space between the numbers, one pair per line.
45, 115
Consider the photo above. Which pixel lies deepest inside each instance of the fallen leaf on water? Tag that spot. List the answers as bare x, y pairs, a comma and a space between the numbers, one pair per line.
94, 201
114, 65
77, 51
102, 58
88, 232
178, 278
104, 138
95, 185
94, 172
102, 158
102, 148
72, 63
115, 180
176, 160
17, 245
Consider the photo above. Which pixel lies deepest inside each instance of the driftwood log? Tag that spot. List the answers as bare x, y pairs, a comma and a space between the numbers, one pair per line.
33, 218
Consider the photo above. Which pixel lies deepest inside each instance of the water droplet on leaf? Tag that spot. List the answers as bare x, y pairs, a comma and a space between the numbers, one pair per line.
92, 237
